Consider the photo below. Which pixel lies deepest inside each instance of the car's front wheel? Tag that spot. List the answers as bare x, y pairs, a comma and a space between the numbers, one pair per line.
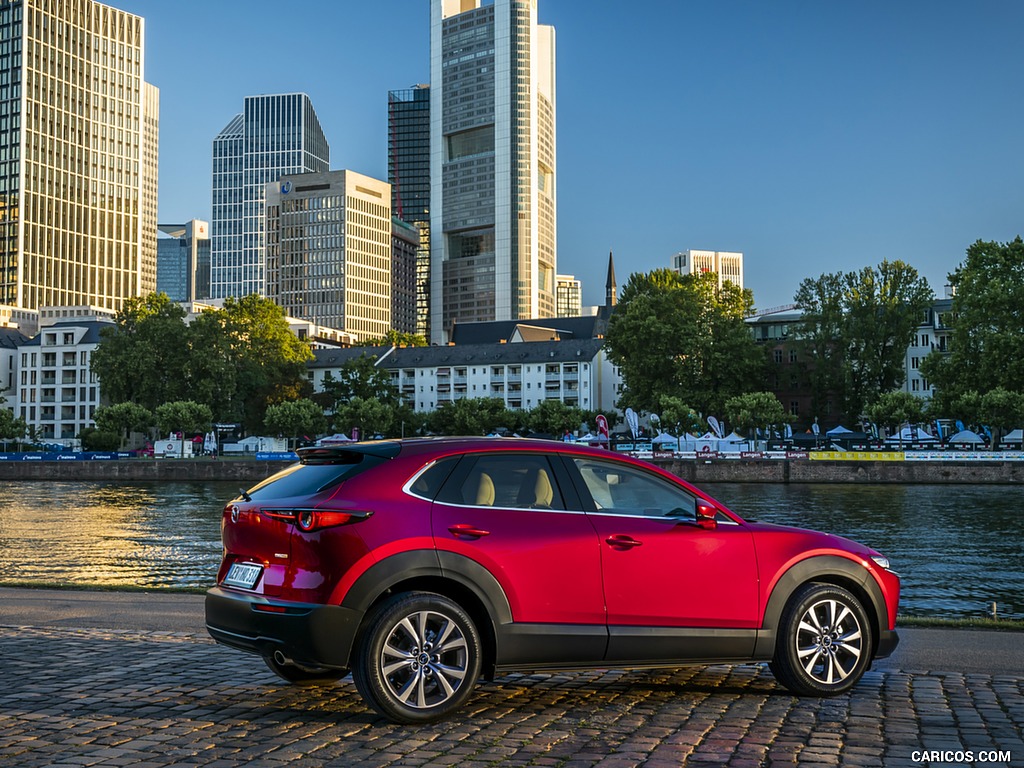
418, 658
824, 642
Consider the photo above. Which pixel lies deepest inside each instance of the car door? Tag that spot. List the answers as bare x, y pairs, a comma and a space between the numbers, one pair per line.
663, 570
506, 512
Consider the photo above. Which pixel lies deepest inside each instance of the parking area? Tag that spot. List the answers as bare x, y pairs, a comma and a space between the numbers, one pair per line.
82, 697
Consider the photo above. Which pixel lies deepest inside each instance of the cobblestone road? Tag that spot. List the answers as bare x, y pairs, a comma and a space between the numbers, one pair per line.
100, 697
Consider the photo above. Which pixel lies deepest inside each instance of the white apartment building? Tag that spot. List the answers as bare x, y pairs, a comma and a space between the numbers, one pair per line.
931, 335
57, 392
725, 264
521, 373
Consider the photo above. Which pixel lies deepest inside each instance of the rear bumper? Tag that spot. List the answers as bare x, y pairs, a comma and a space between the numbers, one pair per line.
317, 635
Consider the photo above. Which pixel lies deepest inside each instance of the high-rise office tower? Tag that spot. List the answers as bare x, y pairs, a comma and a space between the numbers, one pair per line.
409, 175
78, 156
492, 152
271, 137
183, 261
329, 250
727, 265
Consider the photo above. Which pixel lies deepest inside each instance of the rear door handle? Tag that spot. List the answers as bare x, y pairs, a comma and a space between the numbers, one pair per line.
464, 530
624, 541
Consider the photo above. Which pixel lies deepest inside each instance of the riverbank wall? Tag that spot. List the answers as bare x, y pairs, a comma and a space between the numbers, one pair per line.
695, 471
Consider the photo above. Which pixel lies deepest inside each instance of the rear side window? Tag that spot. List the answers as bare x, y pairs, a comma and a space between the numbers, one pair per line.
430, 479
511, 481
308, 479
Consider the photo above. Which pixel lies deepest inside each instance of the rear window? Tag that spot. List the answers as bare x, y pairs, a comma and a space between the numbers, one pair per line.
308, 479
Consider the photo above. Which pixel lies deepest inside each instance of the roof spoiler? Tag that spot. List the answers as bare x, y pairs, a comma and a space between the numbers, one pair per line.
328, 454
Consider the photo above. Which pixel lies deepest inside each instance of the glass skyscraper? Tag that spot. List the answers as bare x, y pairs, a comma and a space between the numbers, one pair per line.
272, 136
183, 261
409, 175
78, 156
492, 144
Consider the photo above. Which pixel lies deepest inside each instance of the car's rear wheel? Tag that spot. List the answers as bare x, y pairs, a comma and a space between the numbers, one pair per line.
418, 658
824, 644
303, 676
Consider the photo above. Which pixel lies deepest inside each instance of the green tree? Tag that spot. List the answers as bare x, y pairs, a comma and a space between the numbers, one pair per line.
553, 417
186, 416
818, 338
966, 407
470, 416
371, 416
94, 439
684, 337
357, 377
677, 417
855, 331
11, 426
756, 410
884, 310
894, 409
143, 357
395, 338
296, 418
269, 361
986, 339
1002, 411
122, 419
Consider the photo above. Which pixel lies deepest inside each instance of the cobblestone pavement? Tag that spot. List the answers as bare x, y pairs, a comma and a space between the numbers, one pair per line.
110, 698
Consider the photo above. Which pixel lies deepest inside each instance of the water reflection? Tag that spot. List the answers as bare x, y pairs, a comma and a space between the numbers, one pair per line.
958, 548
112, 534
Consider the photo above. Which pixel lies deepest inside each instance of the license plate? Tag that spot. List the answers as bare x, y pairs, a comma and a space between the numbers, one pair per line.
244, 575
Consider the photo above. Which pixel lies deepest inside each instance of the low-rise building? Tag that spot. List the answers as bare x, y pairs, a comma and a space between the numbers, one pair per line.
57, 392
522, 374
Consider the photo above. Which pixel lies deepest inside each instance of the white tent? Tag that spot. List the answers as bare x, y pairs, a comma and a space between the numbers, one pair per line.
706, 443
1016, 436
837, 431
334, 439
732, 443
688, 442
911, 435
665, 438
966, 437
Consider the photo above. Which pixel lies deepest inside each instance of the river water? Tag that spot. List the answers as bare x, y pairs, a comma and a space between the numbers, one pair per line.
958, 548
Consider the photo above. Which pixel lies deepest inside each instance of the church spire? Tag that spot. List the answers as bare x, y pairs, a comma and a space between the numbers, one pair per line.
609, 297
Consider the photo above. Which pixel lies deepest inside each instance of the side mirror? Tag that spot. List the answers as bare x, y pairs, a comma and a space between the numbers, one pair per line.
706, 516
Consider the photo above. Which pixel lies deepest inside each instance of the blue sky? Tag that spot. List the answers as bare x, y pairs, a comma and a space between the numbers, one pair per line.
812, 136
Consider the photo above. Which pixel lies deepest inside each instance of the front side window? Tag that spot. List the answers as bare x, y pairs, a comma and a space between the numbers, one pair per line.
619, 489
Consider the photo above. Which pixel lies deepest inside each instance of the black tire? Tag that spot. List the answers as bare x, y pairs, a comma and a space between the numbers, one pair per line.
418, 658
824, 643
304, 676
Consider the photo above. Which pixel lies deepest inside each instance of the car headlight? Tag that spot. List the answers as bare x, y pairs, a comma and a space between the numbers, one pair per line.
882, 562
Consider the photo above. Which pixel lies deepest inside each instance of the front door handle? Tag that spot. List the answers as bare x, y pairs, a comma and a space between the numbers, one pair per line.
467, 531
624, 541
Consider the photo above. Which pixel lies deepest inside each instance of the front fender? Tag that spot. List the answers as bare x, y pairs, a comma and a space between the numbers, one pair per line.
823, 568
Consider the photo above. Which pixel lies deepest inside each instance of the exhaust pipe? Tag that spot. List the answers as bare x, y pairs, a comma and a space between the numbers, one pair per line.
281, 659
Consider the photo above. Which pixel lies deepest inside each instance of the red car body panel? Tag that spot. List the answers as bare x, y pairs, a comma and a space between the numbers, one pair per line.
550, 587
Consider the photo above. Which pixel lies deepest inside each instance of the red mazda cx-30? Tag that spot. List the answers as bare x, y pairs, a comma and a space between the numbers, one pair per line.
422, 564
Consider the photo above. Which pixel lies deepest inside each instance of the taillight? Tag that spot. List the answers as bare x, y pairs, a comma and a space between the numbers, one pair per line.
309, 520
